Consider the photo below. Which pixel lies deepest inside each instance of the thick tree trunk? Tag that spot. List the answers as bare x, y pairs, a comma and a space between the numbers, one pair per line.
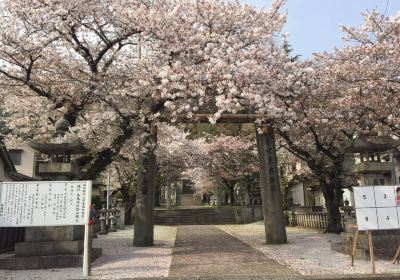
334, 217
275, 230
144, 214
332, 195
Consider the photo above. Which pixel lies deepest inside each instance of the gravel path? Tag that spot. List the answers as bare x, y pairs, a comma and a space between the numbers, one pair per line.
307, 252
202, 250
119, 259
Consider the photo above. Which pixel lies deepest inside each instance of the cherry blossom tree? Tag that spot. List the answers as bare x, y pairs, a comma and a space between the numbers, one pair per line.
345, 94
316, 133
368, 69
67, 59
232, 158
113, 68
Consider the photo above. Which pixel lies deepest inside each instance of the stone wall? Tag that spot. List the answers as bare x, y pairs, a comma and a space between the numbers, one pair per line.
248, 214
9, 236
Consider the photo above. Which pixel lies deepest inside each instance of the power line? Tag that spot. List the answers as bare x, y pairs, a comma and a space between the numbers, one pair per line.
387, 4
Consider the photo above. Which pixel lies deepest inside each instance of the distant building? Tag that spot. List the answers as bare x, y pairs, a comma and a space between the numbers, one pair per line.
306, 194
8, 172
24, 159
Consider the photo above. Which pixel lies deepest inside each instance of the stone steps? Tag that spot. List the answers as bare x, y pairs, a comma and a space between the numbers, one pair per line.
197, 216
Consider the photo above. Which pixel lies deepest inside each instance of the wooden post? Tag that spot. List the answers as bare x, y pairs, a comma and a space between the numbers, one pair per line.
353, 252
371, 251
274, 221
397, 255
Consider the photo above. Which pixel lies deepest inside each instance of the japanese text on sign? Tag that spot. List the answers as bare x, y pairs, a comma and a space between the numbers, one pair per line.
24, 204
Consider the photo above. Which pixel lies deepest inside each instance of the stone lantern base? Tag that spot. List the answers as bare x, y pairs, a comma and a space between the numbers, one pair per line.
49, 247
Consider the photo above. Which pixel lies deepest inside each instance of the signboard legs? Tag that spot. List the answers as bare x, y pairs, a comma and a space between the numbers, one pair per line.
397, 255
353, 253
371, 251
86, 242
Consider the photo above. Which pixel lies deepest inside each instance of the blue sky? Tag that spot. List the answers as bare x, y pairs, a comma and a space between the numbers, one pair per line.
313, 25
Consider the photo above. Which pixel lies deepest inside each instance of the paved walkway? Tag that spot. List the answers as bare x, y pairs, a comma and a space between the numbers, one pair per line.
209, 251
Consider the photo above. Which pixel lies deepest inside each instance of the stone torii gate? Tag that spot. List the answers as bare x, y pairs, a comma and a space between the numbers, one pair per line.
275, 231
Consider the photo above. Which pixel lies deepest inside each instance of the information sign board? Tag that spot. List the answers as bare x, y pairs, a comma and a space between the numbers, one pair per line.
377, 207
55, 203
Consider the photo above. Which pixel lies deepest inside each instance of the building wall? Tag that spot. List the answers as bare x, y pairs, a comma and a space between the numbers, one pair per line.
374, 179
298, 194
319, 198
3, 175
27, 165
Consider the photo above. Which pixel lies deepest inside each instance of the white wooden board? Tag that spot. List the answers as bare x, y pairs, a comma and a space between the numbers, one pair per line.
364, 197
376, 207
385, 196
53, 203
367, 219
387, 218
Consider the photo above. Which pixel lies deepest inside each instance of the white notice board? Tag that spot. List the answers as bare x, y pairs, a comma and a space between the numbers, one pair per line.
377, 207
55, 203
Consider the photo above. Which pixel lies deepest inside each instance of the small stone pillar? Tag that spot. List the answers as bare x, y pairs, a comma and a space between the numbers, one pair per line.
113, 220
103, 224
121, 207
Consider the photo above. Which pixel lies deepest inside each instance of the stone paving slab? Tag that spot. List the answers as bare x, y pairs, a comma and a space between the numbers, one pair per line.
208, 251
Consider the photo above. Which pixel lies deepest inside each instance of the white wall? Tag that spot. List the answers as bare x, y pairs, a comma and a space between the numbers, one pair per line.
347, 194
298, 194
319, 198
27, 166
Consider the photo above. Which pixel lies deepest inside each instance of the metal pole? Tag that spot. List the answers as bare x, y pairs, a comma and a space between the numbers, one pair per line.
86, 242
108, 194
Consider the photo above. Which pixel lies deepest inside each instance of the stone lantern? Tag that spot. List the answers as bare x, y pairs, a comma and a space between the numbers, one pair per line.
372, 150
58, 246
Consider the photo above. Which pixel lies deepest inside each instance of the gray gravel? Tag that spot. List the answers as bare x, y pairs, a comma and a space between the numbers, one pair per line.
120, 260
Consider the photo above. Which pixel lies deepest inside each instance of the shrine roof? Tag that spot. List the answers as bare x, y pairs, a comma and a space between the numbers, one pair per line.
74, 147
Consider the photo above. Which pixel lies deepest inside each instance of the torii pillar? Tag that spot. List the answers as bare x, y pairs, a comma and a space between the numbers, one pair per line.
274, 221
275, 230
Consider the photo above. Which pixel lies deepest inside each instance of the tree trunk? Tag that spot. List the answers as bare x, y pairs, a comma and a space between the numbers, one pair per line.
157, 194
332, 195
168, 195
271, 196
144, 214
218, 195
334, 217
128, 210
246, 194
232, 194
